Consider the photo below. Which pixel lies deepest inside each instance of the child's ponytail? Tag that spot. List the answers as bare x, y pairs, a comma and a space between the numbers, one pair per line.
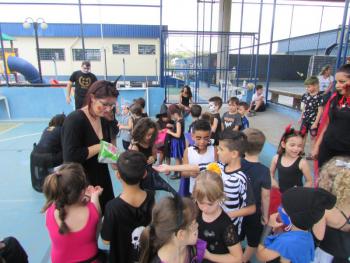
146, 242
50, 189
64, 187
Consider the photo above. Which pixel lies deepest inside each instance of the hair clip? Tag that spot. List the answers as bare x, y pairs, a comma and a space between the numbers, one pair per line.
341, 163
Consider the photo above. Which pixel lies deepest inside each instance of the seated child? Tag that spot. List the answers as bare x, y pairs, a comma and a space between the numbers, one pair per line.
258, 101
242, 110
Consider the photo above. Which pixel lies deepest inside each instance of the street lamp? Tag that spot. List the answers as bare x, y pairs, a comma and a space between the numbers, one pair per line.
39, 21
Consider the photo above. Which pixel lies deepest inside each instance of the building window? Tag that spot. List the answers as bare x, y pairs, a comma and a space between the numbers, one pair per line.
51, 54
121, 49
90, 54
147, 49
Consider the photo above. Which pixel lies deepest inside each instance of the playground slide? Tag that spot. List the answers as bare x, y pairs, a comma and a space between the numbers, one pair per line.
22, 66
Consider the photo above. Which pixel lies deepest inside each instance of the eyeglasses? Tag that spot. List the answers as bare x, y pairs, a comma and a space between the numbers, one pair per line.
106, 105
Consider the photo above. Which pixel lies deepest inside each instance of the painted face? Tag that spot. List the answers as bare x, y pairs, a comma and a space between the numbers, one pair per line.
207, 207
342, 83
293, 146
224, 154
201, 139
232, 107
85, 69
149, 135
212, 107
104, 106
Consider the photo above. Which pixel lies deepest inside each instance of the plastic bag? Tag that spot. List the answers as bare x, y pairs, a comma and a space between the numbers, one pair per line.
108, 153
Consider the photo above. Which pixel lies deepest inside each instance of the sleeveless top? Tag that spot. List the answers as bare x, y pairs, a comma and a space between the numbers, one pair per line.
202, 160
290, 176
336, 243
147, 152
73, 246
185, 101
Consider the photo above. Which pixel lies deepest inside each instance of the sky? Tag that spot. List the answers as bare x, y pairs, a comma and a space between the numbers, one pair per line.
182, 15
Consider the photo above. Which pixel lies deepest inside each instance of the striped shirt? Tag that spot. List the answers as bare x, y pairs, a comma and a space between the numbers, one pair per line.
238, 192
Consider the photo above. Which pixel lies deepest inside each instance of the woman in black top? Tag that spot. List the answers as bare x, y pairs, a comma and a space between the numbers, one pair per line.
334, 133
84, 129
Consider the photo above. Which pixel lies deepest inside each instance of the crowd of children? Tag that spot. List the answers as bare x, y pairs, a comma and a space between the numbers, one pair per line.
225, 193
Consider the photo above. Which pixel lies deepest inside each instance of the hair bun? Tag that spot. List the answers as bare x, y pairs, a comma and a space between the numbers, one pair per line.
214, 167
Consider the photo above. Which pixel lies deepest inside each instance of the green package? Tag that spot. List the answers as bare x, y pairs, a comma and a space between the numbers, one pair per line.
108, 153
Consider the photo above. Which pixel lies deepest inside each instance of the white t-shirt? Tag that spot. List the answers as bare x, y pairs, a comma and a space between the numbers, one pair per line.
202, 160
324, 82
257, 97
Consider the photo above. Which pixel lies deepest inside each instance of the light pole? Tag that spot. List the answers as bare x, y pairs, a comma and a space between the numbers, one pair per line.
39, 21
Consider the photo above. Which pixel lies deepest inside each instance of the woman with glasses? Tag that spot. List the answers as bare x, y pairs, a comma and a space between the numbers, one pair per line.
83, 130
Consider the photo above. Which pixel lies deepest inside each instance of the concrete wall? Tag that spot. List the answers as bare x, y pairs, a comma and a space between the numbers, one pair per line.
135, 64
43, 103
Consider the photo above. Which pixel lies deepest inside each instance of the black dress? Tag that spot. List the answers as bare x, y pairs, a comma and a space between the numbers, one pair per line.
78, 135
336, 139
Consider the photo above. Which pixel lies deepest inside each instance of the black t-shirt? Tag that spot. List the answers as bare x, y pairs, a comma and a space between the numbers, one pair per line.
215, 135
82, 82
50, 141
123, 225
219, 234
259, 176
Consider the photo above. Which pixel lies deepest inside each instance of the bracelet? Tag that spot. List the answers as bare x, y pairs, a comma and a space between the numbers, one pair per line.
265, 233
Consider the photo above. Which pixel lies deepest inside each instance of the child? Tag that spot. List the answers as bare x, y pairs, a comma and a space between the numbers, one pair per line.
136, 115
214, 225
258, 101
163, 123
215, 104
335, 244
200, 153
143, 137
72, 214
302, 209
178, 138
239, 200
125, 126
141, 101
185, 99
196, 111
289, 164
232, 119
242, 110
127, 215
259, 176
172, 235
312, 109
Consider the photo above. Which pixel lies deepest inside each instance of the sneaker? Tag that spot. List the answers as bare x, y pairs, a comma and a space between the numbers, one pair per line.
175, 176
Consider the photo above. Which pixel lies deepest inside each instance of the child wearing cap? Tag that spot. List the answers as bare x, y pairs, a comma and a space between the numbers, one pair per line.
312, 109
302, 210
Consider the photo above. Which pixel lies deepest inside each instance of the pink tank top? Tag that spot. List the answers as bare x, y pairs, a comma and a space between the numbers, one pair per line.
73, 246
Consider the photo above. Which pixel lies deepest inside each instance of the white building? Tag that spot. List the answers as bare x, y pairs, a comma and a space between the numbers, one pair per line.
135, 46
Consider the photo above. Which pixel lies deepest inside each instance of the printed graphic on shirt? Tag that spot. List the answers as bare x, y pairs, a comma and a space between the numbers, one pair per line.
135, 237
84, 82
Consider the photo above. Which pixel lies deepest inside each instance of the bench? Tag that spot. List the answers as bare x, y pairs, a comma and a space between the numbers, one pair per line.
296, 97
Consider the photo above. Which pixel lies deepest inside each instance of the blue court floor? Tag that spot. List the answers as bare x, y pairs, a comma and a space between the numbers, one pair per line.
20, 205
